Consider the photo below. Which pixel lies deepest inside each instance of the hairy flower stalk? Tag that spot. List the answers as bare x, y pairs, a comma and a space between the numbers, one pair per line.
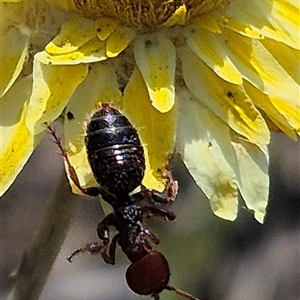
211, 79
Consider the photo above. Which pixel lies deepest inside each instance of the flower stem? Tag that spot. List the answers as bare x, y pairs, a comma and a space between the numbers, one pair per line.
38, 259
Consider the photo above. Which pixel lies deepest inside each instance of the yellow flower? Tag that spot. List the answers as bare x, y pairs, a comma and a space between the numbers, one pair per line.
211, 78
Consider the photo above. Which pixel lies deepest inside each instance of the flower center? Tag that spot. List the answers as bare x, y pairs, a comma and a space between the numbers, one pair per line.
147, 13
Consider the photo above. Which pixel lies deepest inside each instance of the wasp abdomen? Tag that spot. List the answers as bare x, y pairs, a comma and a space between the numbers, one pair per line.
114, 151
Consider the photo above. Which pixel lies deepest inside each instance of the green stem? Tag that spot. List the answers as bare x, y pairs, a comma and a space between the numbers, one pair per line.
38, 259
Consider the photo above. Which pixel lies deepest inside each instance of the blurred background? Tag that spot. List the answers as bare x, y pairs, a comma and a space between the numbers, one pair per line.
209, 257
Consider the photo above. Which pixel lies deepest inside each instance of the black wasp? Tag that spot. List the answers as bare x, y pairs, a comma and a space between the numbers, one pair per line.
116, 157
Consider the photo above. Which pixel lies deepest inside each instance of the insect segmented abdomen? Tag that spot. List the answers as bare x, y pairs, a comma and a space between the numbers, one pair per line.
114, 151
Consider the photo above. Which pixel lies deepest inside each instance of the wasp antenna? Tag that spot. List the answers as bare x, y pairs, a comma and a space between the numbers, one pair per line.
181, 293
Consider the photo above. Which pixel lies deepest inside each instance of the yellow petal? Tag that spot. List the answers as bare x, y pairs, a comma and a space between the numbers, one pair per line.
228, 101
13, 51
92, 51
260, 68
178, 17
286, 56
17, 143
210, 47
118, 41
99, 86
105, 26
284, 21
254, 179
156, 130
203, 141
209, 22
155, 57
242, 27
278, 20
52, 88
286, 117
74, 34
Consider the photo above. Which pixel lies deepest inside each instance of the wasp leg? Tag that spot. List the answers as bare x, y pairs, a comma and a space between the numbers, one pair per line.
110, 258
170, 192
91, 191
103, 234
151, 236
157, 213
167, 196
93, 249
97, 248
